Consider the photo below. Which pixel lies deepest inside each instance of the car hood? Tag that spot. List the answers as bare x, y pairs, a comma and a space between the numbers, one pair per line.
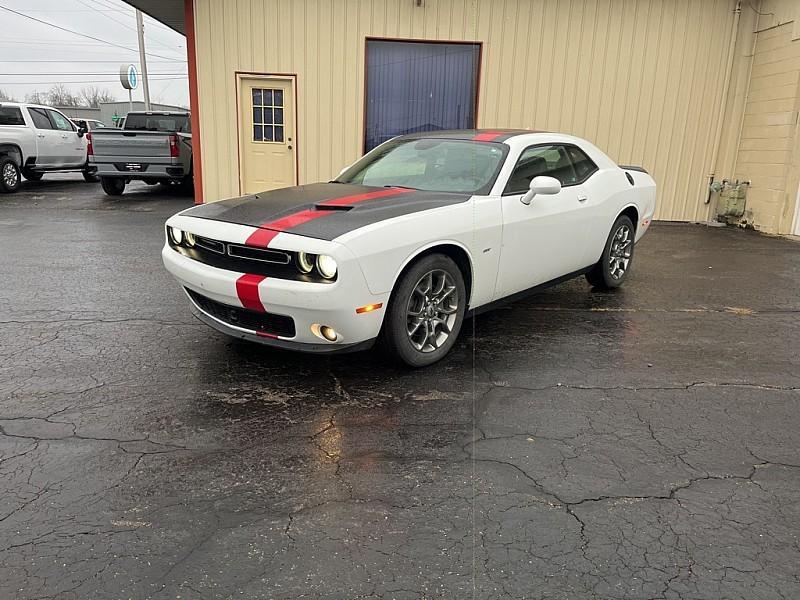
323, 210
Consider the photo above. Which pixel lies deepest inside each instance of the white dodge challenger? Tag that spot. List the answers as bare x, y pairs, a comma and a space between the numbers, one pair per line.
409, 239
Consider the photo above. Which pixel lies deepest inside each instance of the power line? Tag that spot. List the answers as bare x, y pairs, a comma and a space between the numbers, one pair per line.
42, 73
72, 60
5, 8
71, 81
126, 26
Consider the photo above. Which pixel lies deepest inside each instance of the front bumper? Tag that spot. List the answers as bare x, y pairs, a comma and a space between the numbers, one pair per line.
310, 305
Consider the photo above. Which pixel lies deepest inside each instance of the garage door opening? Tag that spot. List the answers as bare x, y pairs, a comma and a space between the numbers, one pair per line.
414, 86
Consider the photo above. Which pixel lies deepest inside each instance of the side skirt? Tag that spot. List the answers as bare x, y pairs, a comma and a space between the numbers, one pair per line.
525, 293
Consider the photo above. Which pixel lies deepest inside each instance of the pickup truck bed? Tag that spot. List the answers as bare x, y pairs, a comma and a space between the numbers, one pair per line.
145, 153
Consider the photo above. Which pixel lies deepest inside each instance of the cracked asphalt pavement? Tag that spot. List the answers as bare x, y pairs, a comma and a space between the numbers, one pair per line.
637, 445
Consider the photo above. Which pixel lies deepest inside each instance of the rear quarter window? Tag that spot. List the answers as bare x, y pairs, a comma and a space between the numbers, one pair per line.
11, 115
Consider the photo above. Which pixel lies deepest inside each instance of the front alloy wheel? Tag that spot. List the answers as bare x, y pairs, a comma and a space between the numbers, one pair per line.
432, 310
426, 311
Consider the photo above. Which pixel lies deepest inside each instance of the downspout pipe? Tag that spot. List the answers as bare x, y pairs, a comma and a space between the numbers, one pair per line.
723, 100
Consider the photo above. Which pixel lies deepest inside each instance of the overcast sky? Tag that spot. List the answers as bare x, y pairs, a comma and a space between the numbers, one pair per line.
34, 56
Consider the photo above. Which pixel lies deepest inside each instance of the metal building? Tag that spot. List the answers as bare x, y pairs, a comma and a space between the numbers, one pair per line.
291, 91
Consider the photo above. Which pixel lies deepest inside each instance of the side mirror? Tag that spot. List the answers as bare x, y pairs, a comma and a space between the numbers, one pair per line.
541, 185
82, 131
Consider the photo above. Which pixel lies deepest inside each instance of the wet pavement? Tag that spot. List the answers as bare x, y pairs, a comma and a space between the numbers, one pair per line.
643, 444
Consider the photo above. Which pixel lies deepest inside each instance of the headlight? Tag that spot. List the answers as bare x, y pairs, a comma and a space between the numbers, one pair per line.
176, 235
305, 262
189, 239
326, 266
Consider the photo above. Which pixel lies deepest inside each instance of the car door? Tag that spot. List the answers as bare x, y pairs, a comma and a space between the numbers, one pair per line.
48, 138
72, 151
545, 239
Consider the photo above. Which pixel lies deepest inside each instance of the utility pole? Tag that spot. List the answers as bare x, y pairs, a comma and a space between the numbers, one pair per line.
143, 59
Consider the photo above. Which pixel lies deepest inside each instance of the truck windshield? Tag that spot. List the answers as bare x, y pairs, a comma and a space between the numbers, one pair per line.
433, 164
154, 122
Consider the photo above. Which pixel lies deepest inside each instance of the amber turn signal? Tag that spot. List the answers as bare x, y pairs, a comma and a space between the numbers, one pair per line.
368, 308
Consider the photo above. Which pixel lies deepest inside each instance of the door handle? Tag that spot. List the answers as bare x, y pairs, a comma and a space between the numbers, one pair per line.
40, 135
582, 198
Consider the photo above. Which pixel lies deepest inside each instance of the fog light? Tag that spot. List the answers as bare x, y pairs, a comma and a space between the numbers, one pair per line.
176, 235
328, 333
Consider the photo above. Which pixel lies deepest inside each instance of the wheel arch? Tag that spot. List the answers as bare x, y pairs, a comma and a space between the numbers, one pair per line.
632, 212
13, 151
454, 250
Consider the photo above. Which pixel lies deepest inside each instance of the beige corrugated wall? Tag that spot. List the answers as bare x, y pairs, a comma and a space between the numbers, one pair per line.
642, 79
769, 148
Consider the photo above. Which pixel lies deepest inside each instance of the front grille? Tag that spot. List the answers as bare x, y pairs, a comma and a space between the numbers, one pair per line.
269, 323
247, 259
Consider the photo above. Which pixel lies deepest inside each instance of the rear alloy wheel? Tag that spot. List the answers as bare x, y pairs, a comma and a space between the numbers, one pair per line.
426, 311
615, 264
32, 175
113, 186
10, 176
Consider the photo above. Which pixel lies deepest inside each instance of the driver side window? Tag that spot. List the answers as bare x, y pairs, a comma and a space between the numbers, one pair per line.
552, 160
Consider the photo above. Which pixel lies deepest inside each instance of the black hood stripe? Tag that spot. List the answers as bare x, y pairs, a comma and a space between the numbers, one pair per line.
322, 210
267, 231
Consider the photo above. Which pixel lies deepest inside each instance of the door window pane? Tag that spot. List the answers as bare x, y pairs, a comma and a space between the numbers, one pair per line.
60, 121
267, 112
419, 86
550, 160
40, 118
11, 115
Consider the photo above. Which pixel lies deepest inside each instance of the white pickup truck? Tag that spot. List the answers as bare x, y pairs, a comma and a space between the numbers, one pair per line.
35, 140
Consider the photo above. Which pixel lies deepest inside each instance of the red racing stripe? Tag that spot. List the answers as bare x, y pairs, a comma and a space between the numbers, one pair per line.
247, 291
489, 136
346, 200
264, 334
267, 231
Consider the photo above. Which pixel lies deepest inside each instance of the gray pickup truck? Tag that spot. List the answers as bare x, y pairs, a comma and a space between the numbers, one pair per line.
154, 147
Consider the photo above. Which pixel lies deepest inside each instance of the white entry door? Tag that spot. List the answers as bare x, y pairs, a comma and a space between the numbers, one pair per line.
267, 136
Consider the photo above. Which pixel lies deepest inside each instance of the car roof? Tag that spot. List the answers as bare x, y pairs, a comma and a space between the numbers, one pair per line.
479, 135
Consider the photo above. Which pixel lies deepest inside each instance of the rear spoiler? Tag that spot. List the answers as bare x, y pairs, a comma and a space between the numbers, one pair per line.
633, 168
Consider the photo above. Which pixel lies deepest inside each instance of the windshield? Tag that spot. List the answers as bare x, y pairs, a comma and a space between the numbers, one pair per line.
171, 123
433, 164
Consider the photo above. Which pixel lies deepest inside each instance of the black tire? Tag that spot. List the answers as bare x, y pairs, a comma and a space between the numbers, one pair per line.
32, 175
396, 336
113, 186
90, 176
10, 175
150, 181
620, 244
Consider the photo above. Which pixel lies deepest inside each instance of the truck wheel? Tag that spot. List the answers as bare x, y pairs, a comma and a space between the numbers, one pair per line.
32, 175
425, 311
113, 186
90, 176
10, 176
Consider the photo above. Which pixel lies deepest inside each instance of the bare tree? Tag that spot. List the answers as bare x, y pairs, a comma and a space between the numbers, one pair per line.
93, 96
4, 96
36, 97
59, 95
